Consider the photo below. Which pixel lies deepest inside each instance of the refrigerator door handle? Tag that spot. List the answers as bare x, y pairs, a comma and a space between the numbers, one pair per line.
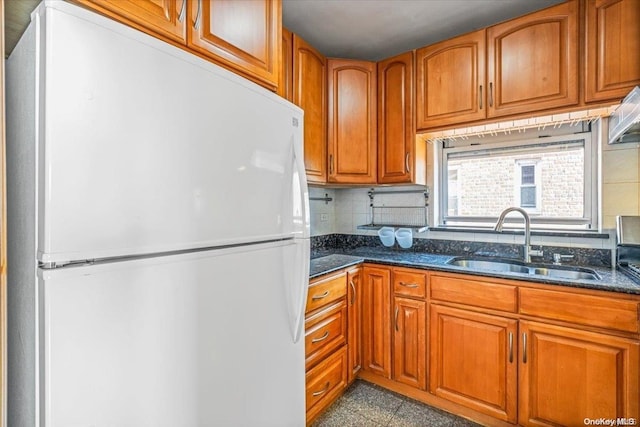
298, 286
301, 227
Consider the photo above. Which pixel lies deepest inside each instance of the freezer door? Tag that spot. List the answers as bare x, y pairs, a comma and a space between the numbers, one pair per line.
190, 340
147, 149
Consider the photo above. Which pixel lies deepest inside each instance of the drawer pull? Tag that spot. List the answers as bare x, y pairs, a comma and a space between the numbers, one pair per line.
480, 97
323, 391
317, 297
396, 318
196, 23
353, 294
524, 347
409, 285
510, 347
182, 10
406, 163
490, 94
322, 338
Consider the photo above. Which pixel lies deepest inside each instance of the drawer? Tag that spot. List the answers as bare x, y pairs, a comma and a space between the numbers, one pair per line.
590, 310
326, 291
325, 382
325, 331
473, 292
409, 283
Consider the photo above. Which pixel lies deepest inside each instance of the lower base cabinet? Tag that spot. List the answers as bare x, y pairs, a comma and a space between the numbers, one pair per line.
325, 382
568, 375
409, 342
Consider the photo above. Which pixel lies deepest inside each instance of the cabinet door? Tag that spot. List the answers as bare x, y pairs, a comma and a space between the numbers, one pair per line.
285, 86
611, 49
450, 79
533, 61
160, 17
400, 158
352, 121
409, 342
568, 375
354, 322
473, 362
310, 94
376, 320
244, 35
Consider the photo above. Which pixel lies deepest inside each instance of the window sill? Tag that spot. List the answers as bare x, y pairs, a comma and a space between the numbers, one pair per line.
583, 234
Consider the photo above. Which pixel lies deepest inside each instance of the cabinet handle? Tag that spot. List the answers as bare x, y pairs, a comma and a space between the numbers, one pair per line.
182, 10
196, 23
406, 163
322, 338
353, 294
330, 164
510, 347
396, 319
524, 347
409, 285
490, 94
317, 297
480, 97
318, 393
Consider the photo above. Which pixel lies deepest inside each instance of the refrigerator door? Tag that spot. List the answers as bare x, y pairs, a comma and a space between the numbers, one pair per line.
199, 339
145, 148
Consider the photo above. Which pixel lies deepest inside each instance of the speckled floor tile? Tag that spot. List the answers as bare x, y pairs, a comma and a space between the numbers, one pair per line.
367, 405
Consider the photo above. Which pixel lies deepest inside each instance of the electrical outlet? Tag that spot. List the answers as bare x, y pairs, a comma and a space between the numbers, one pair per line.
324, 217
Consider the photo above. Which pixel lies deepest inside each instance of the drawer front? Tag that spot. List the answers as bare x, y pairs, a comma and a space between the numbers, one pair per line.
325, 331
473, 292
326, 381
590, 310
409, 283
326, 291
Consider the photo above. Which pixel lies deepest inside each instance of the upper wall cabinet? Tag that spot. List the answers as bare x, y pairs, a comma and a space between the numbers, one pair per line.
532, 61
612, 49
285, 85
310, 94
244, 35
400, 158
163, 17
451, 81
352, 121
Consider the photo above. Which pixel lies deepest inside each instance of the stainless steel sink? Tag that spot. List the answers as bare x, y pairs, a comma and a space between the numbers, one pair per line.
512, 266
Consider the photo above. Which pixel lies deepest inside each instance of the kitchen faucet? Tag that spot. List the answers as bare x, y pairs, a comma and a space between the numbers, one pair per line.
528, 252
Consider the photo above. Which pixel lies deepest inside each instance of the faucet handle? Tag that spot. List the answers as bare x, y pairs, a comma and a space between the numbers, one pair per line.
557, 258
536, 252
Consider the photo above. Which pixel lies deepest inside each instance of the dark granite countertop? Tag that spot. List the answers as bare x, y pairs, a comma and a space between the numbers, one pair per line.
329, 260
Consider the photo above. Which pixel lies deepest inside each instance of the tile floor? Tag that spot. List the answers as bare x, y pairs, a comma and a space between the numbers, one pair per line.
367, 405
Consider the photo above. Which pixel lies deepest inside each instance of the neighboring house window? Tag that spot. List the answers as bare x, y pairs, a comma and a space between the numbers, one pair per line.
554, 179
528, 194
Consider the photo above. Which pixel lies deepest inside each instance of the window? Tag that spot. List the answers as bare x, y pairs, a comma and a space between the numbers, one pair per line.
552, 178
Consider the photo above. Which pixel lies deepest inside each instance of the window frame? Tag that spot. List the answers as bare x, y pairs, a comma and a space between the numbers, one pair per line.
588, 222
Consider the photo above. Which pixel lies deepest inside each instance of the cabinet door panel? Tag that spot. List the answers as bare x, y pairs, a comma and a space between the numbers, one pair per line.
352, 121
310, 94
567, 375
409, 342
242, 34
354, 340
163, 17
473, 360
376, 323
611, 49
533, 61
450, 76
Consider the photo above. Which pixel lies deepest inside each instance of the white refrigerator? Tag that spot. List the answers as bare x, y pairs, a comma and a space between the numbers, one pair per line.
158, 235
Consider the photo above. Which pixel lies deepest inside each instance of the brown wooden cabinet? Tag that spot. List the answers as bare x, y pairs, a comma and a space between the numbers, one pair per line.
401, 157
376, 320
451, 84
244, 35
352, 141
612, 46
285, 85
166, 18
310, 94
532, 61
354, 324
473, 360
410, 342
568, 375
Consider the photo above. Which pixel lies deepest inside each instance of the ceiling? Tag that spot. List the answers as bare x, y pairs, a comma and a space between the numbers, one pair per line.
377, 29
359, 29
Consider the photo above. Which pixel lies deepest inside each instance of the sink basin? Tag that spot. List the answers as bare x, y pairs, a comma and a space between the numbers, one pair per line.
512, 266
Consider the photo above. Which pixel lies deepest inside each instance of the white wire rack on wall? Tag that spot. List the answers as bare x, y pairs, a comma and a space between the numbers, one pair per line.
396, 208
